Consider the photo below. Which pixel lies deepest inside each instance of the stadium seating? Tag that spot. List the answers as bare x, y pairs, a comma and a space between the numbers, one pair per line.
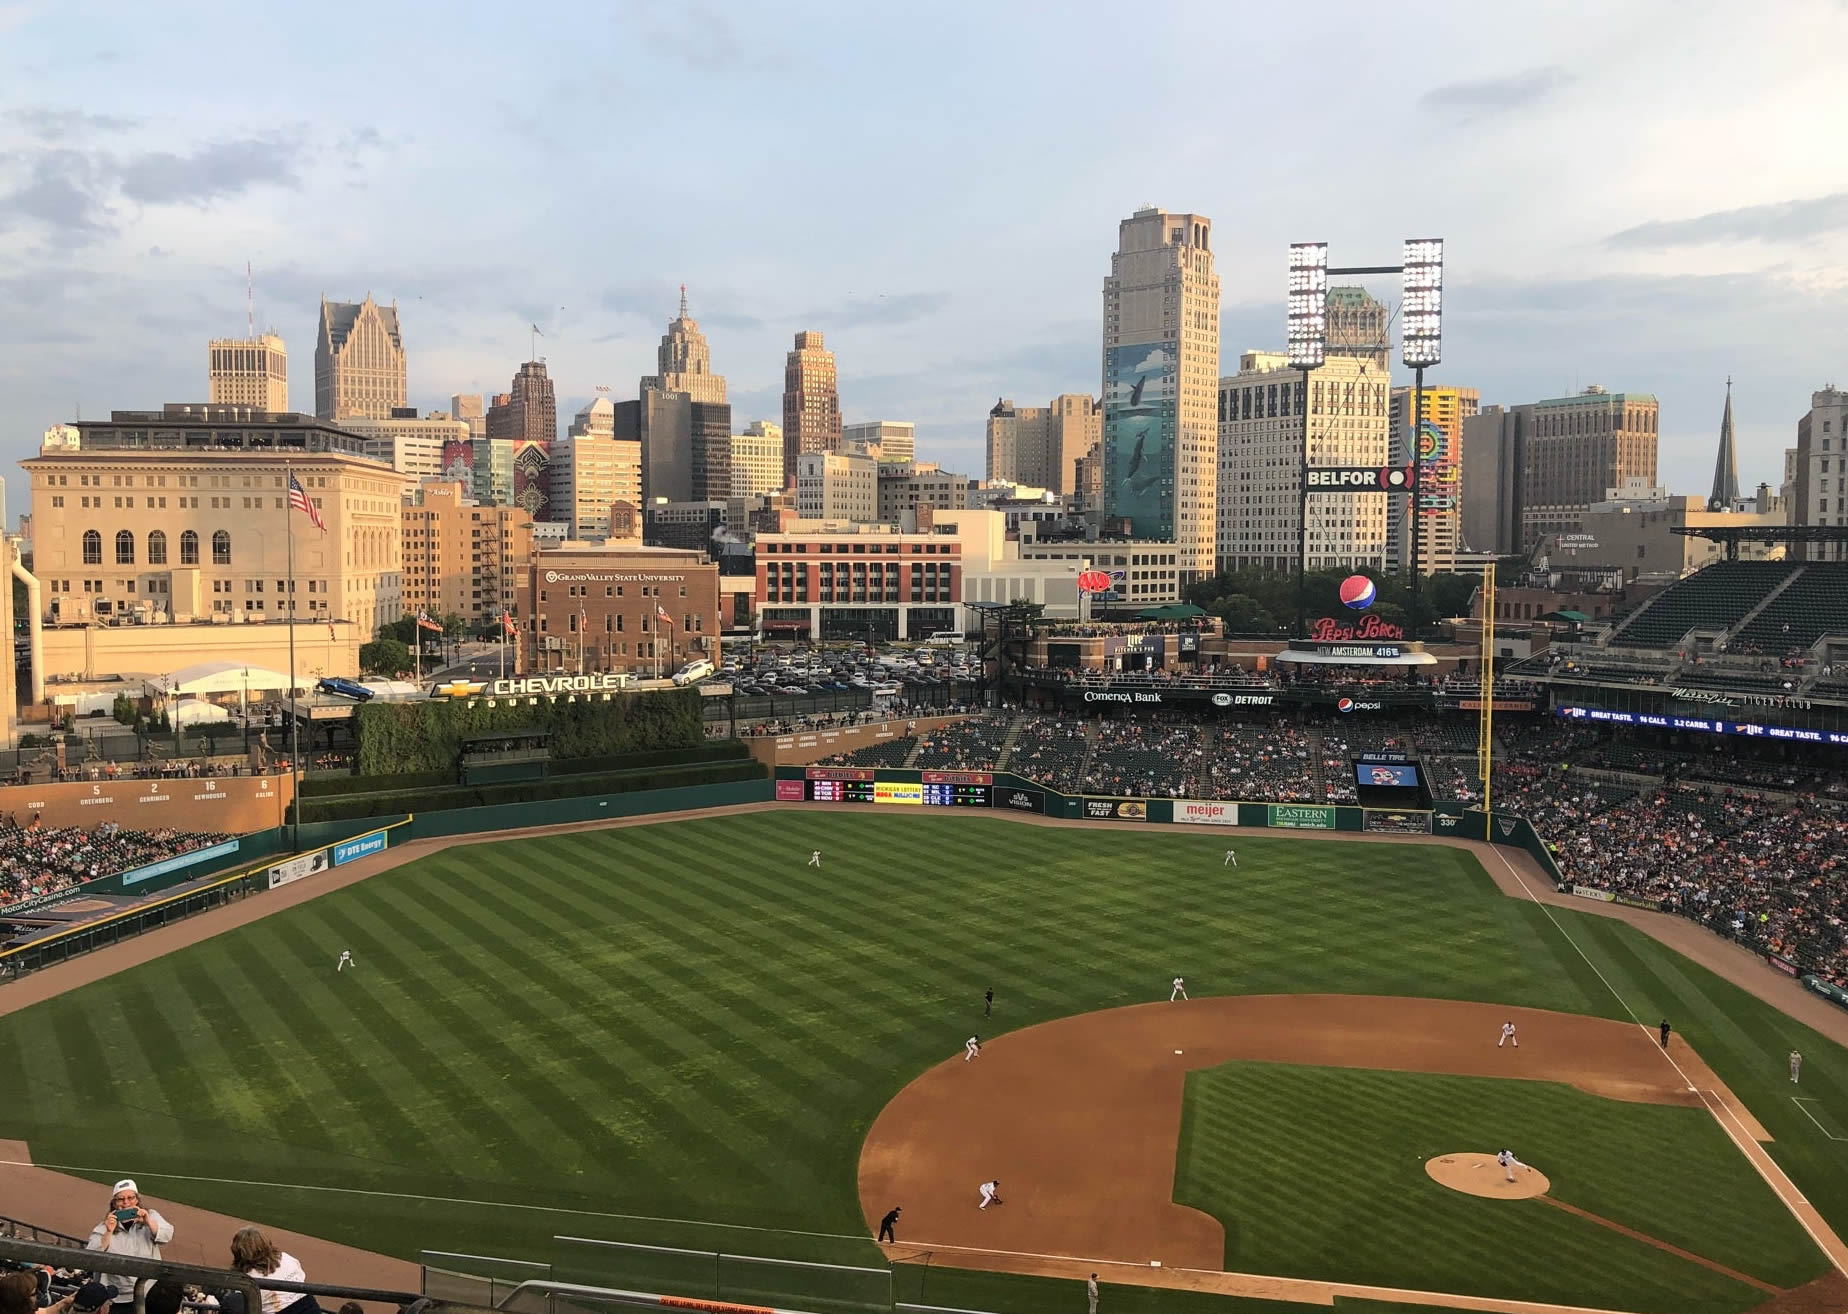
37, 860
886, 753
1052, 751
1262, 763
1815, 604
1716, 598
1146, 758
970, 745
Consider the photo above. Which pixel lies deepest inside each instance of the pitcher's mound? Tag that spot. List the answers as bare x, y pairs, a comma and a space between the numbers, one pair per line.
1479, 1174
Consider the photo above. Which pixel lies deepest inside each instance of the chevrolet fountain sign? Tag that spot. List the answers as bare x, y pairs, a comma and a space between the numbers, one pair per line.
533, 686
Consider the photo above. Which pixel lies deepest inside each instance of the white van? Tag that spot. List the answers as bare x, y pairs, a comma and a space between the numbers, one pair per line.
945, 639
693, 672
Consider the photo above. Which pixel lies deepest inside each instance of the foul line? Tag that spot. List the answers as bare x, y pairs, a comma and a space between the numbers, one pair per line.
1644, 1237
431, 1199
1762, 1162
1800, 1101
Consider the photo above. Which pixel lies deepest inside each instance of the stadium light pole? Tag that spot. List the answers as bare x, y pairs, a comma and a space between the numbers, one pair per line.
1307, 324
1421, 343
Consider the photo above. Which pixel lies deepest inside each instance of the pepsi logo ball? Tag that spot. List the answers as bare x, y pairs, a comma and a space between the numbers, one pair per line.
1345, 705
1357, 592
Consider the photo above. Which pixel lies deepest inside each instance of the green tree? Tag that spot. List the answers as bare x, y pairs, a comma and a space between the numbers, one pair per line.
124, 709
1243, 614
384, 657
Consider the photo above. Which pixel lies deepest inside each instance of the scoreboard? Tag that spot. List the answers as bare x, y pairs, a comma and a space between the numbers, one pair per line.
956, 796
839, 784
958, 789
841, 791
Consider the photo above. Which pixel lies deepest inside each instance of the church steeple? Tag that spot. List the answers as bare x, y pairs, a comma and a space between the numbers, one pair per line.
1726, 464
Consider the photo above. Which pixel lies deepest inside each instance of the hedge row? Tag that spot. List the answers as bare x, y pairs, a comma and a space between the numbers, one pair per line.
729, 750
408, 738
528, 791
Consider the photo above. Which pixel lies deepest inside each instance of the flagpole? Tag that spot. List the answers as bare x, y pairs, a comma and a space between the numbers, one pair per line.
295, 724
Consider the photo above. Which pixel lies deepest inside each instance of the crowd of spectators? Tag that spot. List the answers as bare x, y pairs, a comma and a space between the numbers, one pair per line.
36, 859
970, 745
885, 753
1051, 750
1146, 759
1272, 763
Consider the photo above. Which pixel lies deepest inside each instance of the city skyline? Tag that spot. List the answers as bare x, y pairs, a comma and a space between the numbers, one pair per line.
127, 211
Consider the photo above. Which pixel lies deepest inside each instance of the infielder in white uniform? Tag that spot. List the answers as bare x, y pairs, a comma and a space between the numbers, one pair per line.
1179, 991
971, 1048
991, 1193
346, 956
1231, 859
815, 858
1508, 1036
1509, 1163
1796, 1066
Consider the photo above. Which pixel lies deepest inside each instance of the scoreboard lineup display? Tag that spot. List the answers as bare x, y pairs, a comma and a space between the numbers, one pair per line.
940, 789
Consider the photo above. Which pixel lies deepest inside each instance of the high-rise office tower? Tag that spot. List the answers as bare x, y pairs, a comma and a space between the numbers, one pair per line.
1042, 445
1819, 486
358, 360
593, 470
811, 403
890, 442
526, 416
1260, 412
466, 406
1357, 327
1579, 448
1440, 478
757, 460
251, 372
1161, 379
685, 420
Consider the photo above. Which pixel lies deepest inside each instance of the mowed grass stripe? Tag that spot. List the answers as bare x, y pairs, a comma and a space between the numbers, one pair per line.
1361, 1179
573, 1064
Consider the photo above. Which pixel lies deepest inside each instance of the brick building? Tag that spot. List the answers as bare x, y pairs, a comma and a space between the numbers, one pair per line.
598, 608
835, 583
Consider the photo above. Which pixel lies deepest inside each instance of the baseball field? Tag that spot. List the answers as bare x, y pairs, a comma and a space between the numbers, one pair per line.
682, 1035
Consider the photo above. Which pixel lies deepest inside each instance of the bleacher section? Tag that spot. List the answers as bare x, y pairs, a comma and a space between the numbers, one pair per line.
890, 753
1716, 598
1815, 604
1051, 751
971, 745
1148, 758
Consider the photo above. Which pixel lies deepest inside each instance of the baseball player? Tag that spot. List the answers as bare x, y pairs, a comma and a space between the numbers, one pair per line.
815, 858
988, 1002
1090, 1294
1796, 1066
1507, 1036
971, 1048
1509, 1163
1179, 991
1231, 859
346, 956
991, 1193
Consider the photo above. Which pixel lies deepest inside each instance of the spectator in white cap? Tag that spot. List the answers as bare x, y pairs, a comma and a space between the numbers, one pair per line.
128, 1229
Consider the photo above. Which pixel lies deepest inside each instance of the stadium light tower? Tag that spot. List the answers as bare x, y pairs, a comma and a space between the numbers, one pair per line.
1307, 336
1421, 343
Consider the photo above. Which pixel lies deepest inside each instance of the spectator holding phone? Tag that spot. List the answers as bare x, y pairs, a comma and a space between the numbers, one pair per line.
128, 1229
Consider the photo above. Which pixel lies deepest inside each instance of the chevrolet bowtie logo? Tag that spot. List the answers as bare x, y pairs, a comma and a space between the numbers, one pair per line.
459, 689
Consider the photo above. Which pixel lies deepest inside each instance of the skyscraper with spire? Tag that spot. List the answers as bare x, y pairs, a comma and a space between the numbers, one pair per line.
684, 419
1725, 493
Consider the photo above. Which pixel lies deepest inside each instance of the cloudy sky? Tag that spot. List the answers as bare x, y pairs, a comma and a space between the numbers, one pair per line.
1646, 196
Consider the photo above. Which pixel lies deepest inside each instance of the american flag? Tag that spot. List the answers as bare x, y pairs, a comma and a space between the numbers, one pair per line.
298, 501
506, 621
662, 613
425, 623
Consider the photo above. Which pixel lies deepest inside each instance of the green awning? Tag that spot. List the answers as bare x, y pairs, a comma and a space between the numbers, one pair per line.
1174, 611
1577, 617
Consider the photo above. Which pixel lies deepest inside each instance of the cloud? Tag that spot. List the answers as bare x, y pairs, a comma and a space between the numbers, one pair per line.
1466, 101
1779, 221
885, 308
63, 192
61, 125
227, 168
698, 35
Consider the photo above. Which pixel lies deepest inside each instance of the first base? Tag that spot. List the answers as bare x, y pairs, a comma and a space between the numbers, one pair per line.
1177, 1051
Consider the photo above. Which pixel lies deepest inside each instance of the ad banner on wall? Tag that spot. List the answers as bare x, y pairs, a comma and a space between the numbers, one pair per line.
1116, 809
1300, 816
1381, 822
286, 873
1203, 812
908, 793
1019, 800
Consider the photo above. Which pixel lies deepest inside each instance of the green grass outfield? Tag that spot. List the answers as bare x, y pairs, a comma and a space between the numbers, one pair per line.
1357, 1186
685, 1021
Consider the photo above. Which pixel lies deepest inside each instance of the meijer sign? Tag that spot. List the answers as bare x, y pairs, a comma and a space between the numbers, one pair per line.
1199, 812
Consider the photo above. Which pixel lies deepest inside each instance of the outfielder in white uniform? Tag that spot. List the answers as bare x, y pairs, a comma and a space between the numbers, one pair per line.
1508, 1036
1796, 1066
1509, 1163
815, 858
346, 956
1179, 991
971, 1048
1231, 859
991, 1193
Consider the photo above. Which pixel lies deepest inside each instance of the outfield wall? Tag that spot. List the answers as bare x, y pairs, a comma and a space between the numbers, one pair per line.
235, 805
802, 747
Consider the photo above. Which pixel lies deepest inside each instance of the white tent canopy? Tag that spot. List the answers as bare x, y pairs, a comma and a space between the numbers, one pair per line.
193, 712
219, 678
